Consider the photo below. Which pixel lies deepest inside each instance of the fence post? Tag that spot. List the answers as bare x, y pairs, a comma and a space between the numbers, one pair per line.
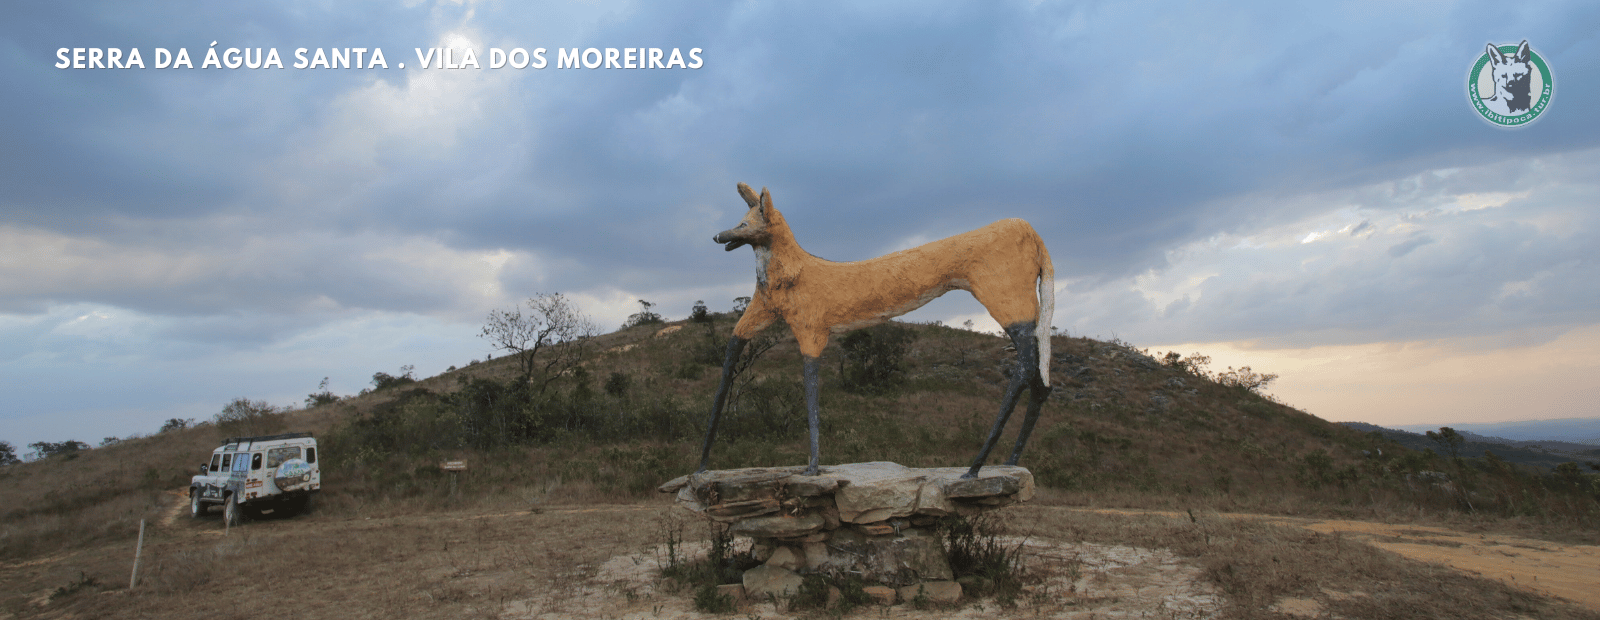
138, 550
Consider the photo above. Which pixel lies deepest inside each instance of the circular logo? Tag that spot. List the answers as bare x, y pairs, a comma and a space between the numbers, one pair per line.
293, 475
1510, 85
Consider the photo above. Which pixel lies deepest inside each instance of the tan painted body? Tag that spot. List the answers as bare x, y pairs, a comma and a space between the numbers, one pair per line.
1004, 265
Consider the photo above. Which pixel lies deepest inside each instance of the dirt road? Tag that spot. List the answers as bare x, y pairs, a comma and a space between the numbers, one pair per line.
1571, 572
1568, 571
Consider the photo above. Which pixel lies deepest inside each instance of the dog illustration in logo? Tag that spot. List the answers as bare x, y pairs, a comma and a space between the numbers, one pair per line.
1511, 81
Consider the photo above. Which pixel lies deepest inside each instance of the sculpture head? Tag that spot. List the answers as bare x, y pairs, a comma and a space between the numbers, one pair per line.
753, 229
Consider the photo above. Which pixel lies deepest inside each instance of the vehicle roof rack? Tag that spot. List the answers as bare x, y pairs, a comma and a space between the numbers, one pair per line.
265, 437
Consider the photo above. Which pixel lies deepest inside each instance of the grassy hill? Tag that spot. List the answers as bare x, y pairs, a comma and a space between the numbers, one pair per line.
1121, 429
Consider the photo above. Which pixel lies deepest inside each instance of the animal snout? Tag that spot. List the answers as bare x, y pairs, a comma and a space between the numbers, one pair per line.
729, 240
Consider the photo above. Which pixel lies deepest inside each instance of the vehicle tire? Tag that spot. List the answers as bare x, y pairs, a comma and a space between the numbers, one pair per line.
297, 506
197, 508
232, 513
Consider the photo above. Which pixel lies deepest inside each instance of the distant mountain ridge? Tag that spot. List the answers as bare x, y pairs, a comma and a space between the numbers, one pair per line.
1585, 431
1544, 454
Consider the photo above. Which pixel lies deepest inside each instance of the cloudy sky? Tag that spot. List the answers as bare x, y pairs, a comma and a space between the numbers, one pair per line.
1300, 187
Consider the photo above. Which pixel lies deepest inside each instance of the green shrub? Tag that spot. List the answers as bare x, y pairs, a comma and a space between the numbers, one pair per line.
723, 564
708, 600
384, 381
812, 594
974, 549
617, 384
874, 358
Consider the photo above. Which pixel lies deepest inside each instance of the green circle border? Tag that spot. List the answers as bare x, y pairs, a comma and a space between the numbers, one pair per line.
1534, 111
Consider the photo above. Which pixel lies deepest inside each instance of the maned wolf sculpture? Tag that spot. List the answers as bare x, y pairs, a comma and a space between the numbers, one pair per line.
1512, 86
1004, 265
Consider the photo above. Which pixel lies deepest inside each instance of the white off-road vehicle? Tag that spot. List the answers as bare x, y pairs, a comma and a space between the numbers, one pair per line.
253, 476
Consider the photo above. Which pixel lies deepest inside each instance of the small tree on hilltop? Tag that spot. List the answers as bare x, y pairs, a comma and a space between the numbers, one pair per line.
1245, 378
383, 380
245, 417
8, 454
47, 449
324, 397
1196, 364
548, 340
643, 317
176, 424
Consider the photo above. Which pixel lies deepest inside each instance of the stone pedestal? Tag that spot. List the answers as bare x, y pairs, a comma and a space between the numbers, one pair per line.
875, 520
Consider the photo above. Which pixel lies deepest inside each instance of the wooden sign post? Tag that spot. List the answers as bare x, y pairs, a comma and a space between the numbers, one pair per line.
454, 467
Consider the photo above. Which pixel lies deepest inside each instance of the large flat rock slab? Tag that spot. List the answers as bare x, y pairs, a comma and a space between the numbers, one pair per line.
877, 520
861, 492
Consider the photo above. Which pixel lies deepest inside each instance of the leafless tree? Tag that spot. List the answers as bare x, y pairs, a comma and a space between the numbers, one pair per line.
1246, 378
741, 379
547, 341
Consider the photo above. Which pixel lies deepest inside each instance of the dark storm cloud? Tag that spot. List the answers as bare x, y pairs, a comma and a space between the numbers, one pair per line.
1108, 129
87, 144
1468, 260
1117, 130
240, 210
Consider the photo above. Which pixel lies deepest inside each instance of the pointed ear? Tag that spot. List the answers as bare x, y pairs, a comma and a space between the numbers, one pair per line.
1522, 52
766, 203
749, 196
1495, 57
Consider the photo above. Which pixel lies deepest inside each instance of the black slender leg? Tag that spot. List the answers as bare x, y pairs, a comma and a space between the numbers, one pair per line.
1040, 393
735, 346
813, 417
1022, 337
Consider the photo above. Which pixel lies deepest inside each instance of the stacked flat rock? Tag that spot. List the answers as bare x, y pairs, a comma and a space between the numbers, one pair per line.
876, 520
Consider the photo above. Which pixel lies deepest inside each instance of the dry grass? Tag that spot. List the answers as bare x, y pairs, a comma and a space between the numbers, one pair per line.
92, 496
447, 565
1119, 431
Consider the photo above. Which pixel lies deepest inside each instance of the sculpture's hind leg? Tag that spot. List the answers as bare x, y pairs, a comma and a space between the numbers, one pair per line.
1039, 392
1027, 372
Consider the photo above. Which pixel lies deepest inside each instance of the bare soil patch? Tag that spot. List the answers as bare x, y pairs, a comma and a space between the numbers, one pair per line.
1571, 572
1075, 580
1547, 568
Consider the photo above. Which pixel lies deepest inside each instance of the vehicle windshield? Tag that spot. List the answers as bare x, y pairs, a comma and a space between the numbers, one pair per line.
277, 456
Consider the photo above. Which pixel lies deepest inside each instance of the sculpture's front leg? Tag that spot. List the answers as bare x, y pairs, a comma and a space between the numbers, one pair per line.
735, 347
813, 417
